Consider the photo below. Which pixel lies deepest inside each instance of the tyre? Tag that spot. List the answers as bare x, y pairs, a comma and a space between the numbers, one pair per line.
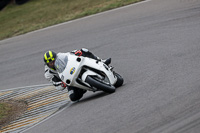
99, 85
120, 80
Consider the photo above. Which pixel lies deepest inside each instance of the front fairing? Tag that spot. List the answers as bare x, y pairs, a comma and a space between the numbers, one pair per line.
70, 71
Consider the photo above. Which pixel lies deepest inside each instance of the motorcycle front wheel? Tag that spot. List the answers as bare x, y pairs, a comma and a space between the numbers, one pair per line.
100, 85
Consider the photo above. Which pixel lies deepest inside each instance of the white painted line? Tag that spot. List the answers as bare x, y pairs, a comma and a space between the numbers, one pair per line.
44, 85
71, 21
68, 105
33, 86
79, 19
50, 102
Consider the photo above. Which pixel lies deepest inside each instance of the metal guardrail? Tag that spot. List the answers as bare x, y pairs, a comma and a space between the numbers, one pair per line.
43, 101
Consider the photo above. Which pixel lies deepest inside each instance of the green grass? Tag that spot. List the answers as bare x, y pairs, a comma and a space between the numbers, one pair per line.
4, 110
37, 14
10, 110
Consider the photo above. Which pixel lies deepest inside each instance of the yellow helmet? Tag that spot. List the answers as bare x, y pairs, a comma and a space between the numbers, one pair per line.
49, 56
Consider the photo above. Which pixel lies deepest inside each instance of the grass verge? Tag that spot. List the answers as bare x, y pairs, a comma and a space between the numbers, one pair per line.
4, 109
36, 14
10, 110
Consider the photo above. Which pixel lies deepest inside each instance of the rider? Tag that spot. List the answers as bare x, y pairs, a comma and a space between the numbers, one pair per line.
52, 75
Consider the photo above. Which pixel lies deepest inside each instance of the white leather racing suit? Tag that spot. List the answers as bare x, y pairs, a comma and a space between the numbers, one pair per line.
52, 75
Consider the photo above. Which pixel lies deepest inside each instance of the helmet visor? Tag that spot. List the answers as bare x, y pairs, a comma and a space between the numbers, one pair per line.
51, 64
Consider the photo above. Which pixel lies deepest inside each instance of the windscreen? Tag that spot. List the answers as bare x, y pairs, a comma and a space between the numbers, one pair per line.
60, 64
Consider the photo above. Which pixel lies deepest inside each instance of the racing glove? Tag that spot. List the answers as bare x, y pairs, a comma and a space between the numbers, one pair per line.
63, 85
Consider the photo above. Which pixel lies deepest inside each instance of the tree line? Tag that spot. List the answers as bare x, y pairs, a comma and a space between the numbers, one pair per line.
4, 3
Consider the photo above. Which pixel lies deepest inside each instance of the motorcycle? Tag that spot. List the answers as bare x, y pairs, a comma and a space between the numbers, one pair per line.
87, 73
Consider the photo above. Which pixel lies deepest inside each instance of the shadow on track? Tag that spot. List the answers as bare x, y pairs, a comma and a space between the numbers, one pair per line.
91, 97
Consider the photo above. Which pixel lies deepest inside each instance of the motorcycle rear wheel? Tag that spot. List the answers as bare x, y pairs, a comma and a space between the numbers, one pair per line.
99, 85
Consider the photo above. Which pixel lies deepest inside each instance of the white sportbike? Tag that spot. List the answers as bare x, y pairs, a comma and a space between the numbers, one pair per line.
86, 73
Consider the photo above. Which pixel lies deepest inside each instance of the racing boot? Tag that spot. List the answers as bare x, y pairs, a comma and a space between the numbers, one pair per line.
87, 53
107, 61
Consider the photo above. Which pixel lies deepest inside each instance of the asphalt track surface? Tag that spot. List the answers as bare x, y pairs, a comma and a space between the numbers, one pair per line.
154, 45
